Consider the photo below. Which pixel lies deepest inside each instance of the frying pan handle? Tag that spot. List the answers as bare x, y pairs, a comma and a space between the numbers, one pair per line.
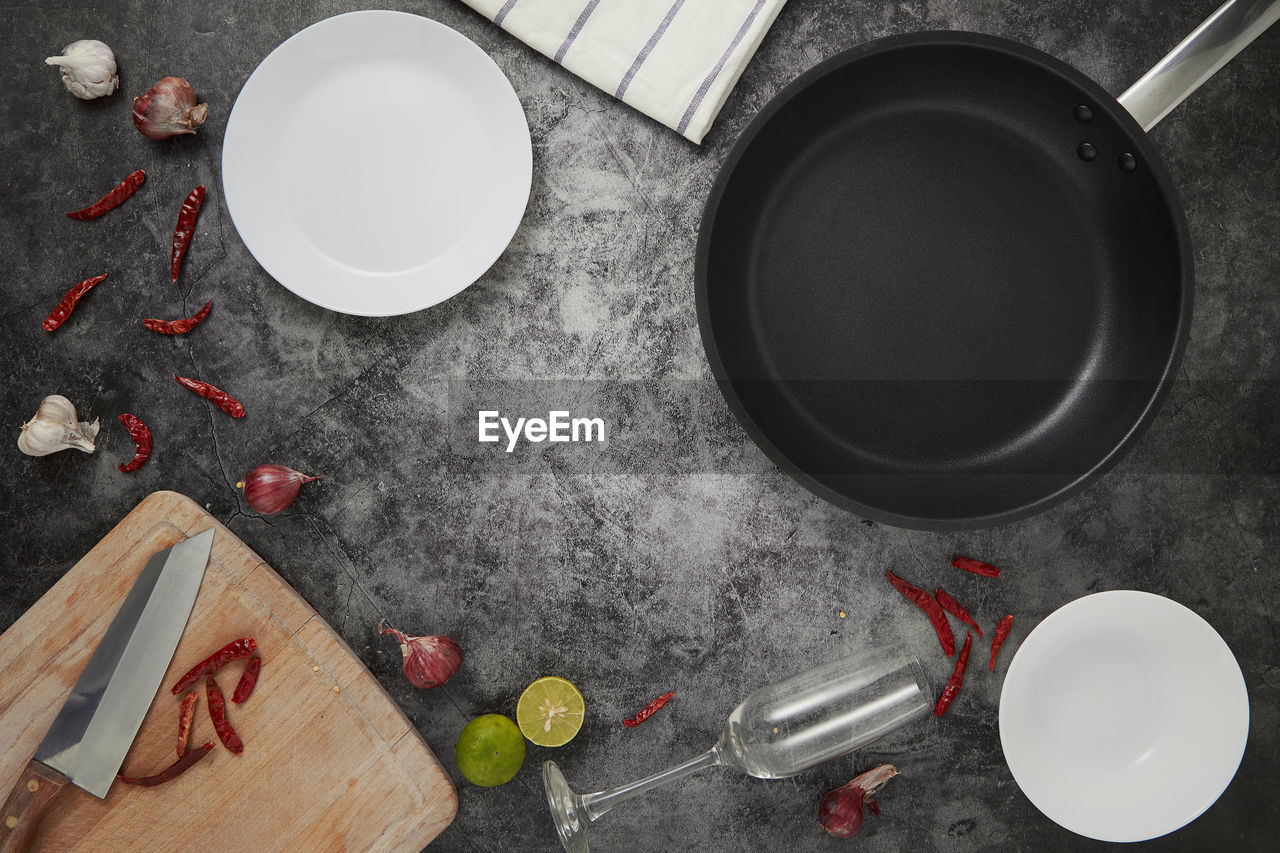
1213, 44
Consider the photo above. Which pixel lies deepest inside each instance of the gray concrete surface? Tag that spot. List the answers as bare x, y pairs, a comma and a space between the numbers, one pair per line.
686, 563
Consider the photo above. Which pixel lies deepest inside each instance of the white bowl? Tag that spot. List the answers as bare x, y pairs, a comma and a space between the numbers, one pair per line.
1123, 716
377, 163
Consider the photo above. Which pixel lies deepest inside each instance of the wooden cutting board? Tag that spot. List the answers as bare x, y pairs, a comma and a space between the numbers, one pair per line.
329, 763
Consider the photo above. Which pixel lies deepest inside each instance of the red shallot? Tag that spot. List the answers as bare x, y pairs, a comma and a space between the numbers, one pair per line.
167, 109
840, 810
271, 488
428, 661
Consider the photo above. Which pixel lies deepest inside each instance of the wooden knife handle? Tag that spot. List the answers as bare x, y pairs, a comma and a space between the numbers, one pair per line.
21, 812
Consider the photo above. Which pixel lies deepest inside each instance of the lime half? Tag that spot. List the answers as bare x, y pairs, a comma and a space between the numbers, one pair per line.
490, 750
550, 711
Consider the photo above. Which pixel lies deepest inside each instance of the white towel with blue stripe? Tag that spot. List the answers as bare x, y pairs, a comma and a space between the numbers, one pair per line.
674, 60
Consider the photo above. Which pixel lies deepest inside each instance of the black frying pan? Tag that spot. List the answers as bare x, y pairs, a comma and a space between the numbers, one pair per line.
944, 279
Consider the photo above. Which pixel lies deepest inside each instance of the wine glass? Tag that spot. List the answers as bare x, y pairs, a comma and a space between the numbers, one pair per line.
779, 730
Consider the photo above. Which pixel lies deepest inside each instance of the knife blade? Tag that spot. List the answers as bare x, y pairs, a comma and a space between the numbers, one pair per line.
96, 725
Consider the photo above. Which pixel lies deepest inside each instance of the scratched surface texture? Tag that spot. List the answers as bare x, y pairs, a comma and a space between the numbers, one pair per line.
680, 559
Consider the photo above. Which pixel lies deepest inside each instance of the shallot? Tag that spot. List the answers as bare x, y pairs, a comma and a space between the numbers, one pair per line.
840, 811
428, 661
271, 488
167, 109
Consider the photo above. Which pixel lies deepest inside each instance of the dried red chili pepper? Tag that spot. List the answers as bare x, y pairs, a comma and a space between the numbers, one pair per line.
976, 566
141, 437
214, 395
185, 229
179, 327
60, 314
173, 771
218, 714
247, 680
1002, 633
185, 715
957, 678
953, 607
113, 199
648, 710
925, 602
232, 651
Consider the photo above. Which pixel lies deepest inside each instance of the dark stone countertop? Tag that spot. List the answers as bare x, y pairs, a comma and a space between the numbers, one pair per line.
687, 563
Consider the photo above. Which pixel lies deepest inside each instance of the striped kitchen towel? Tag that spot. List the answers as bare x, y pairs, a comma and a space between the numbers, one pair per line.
674, 60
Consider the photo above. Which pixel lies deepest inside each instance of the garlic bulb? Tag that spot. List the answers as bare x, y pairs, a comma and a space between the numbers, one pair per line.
54, 428
88, 69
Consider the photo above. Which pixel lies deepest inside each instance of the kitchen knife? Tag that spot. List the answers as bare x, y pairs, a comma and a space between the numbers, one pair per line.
96, 726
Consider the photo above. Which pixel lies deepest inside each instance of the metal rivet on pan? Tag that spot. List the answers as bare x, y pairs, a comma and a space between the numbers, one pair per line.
1086, 151
1127, 162
1083, 113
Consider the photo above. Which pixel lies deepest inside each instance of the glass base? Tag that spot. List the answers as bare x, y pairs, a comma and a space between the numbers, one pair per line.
571, 824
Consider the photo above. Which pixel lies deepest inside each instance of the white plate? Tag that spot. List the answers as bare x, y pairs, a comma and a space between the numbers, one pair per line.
1123, 716
377, 163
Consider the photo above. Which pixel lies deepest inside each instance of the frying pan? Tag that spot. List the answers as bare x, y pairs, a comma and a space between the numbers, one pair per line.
944, 279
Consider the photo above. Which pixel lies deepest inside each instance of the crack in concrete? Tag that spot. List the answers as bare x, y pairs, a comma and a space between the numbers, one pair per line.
349, 386
912, 548
213, 429
199, 277
219, 228
344, 560
448, 694
325, 403
346, 612
352, 500
241, 514
26, 308
183, 294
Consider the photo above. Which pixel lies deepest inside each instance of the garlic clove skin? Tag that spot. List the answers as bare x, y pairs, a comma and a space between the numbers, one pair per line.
55, 428
88, 69
167, 109
428, 661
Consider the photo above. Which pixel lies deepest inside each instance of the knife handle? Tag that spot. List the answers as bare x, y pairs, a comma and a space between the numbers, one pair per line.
21, 812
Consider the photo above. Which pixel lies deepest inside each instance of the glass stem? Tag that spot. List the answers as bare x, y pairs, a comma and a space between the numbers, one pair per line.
594, 805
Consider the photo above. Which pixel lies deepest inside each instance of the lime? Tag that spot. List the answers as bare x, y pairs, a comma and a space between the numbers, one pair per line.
490, 750
550, 711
